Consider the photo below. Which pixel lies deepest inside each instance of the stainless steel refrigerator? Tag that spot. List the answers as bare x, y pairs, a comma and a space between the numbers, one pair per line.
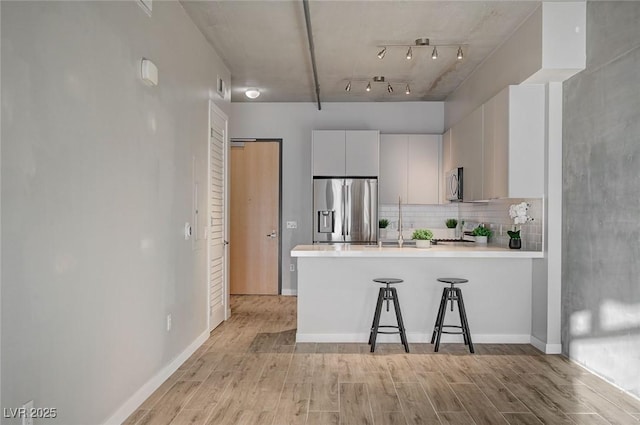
345, 210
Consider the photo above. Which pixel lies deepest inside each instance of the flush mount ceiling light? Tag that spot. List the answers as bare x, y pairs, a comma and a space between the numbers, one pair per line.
420, 43
252, 93
378, 79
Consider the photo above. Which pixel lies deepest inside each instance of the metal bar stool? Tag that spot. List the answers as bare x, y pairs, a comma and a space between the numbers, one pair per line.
452, 294
387, 294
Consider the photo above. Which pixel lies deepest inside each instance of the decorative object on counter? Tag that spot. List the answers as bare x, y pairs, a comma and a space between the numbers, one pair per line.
520, 215
382, 225
452, 228
422, 237
400, 238
482, 234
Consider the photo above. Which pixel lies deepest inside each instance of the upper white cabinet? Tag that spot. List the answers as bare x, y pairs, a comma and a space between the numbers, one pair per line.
467, 140
345, 153
409, 168
500, 146
513, 157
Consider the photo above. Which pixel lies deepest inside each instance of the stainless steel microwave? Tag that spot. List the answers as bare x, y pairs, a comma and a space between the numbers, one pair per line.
453, 181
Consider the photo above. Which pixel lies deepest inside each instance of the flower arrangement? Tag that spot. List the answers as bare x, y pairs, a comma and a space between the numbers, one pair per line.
520, 215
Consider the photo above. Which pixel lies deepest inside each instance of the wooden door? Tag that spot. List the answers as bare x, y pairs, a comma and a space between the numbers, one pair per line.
218, 262
254, 238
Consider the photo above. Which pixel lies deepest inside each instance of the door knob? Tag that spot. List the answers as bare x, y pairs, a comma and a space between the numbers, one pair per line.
272, 235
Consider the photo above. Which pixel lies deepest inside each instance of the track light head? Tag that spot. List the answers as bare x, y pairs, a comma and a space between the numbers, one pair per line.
368, 86
460, 53
382, 52
409, 53
434, 54
407, 90
389, 88
348, 88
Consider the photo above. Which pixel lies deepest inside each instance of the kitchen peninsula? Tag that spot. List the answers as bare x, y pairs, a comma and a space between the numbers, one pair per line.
336, 295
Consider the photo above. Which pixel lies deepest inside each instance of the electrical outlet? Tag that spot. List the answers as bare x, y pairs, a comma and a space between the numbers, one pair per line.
27, 419
292, 224
168, 322
292, 267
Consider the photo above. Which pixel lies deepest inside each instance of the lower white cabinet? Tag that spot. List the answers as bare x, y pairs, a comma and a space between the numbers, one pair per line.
409, 168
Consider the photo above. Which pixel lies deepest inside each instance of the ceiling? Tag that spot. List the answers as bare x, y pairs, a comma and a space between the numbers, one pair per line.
264, 44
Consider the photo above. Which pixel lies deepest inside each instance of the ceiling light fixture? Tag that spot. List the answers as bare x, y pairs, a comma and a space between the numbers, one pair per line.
377, 79
421, 43
252, 93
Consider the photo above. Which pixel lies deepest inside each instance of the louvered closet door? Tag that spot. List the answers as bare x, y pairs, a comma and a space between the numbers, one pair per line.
217, 258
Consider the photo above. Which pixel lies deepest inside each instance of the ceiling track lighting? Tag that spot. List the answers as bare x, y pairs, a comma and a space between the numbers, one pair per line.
420, 43
379, 79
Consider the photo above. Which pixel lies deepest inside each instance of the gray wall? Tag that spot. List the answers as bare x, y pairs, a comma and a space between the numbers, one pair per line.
601, 238
96, 187
293, 123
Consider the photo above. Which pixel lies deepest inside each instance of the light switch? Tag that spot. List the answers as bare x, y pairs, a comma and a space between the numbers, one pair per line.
292, 224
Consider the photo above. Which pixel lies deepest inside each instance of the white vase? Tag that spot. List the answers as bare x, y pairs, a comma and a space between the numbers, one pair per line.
420, 243
481, 240
383, 234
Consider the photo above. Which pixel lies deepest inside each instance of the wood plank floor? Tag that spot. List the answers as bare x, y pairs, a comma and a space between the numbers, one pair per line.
250, 371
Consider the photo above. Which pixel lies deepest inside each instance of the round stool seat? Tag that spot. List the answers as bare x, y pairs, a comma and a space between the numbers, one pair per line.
387, 280
452, 280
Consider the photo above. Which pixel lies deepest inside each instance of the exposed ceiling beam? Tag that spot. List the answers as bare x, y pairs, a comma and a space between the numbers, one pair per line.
307, 18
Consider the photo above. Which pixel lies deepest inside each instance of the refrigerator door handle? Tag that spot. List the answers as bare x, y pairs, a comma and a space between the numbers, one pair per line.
347, 207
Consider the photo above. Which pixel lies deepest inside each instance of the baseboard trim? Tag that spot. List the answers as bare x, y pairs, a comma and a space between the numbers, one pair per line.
289, 292
412, 337
129, 406
546, 348
607, 380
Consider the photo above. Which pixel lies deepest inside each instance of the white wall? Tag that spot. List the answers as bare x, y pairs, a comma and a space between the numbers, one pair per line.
293, 123
96, 188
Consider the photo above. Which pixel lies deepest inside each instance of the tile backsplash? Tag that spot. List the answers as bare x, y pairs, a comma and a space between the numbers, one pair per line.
493, 214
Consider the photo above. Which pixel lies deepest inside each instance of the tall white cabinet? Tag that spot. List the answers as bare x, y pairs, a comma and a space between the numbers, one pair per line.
409, 168
346, 153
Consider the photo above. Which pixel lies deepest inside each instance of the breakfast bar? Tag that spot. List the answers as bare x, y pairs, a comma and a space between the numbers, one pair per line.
337, 297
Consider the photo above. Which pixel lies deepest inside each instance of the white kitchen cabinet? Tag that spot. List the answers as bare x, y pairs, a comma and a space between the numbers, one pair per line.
447, 163
345, 153
513, 156
423, 169
394, 150
362, 153
409, 168
467, 136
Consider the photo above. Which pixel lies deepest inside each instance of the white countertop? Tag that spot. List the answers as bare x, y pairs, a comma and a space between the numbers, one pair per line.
443, 250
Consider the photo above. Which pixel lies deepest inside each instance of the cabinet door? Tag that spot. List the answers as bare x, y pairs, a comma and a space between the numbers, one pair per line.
362, 149
468, 135
495, 148
393, 168
423, 181
447, 164
329, 153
